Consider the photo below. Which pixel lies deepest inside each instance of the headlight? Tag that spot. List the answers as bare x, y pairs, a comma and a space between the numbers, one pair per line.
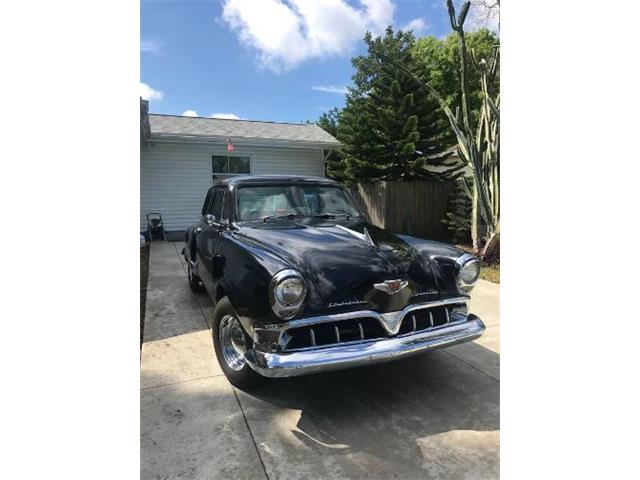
286, 293
468, 273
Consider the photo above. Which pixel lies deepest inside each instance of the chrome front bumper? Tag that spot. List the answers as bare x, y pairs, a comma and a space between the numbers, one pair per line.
289, 364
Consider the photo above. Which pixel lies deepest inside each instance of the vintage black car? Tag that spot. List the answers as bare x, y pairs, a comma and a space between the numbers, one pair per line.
304, 283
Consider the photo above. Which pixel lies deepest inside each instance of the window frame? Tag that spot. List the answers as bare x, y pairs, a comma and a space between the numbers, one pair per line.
248, 155
225, 206
207, 201
216, 192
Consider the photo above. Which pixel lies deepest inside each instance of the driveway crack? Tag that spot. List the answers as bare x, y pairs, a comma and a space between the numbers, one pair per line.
472, 366
181, 381
250, 432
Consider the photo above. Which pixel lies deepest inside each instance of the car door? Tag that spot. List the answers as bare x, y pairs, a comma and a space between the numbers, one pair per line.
208, 239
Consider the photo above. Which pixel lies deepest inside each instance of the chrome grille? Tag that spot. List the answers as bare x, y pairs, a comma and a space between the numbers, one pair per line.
331, 333
427, 318
364, 329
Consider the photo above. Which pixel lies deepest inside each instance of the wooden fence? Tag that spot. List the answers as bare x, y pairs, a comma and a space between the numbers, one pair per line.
415, 208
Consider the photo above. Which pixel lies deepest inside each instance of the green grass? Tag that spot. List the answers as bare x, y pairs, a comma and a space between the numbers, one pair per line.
491, 273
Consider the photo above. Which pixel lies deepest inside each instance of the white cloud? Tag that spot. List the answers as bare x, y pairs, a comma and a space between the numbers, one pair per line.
330, 89
148, 93
149, 46
287, 34
418, 25
226, 116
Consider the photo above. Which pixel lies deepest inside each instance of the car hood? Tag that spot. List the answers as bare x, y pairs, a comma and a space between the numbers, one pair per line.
343, 261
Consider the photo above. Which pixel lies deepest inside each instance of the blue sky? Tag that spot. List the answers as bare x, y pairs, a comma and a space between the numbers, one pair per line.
263, 59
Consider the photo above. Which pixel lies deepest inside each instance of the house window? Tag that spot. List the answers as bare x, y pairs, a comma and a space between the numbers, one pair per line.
230, 165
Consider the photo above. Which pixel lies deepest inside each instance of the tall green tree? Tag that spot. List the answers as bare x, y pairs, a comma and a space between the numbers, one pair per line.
390, 128
438, 63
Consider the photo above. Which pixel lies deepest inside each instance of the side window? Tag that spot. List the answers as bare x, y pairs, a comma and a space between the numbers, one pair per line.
216, 207
205, 205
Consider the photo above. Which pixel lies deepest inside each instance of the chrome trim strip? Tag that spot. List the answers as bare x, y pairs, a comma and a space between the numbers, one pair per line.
344, 356
461, 261
464, 258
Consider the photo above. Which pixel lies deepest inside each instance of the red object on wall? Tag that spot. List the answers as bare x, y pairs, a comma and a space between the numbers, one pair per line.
230, 147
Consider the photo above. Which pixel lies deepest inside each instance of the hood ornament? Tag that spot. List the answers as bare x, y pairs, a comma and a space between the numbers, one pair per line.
391, 286
364, 236
367, 237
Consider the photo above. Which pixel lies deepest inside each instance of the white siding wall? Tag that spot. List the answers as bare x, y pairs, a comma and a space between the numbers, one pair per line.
174, 178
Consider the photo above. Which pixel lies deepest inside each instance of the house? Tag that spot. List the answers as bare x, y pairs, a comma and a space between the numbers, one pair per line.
180, 157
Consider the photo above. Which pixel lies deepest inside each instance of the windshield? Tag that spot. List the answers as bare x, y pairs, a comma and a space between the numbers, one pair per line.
263, 203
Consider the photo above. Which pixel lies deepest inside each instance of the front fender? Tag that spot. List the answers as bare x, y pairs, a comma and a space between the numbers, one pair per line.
246, 277
442, 259
188, 251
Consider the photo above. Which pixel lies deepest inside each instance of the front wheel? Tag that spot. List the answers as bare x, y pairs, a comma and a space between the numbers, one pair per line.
231, 343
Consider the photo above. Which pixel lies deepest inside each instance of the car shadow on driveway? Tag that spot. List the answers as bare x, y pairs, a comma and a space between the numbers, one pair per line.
424, 416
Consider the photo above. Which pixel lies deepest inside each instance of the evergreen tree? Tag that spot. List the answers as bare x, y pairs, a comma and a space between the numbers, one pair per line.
458, 216
391, 129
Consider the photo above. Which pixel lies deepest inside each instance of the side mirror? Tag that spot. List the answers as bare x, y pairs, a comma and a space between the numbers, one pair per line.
210, 219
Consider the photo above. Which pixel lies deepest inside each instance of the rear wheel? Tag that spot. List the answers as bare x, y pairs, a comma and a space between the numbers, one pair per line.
195, 284
231, 343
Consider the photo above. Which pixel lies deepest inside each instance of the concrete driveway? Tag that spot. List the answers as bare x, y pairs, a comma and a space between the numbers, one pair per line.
432, 416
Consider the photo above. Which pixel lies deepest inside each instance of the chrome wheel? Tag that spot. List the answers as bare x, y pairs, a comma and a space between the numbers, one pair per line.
232, 342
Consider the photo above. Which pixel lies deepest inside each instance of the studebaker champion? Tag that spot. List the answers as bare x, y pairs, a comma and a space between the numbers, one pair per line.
303, 282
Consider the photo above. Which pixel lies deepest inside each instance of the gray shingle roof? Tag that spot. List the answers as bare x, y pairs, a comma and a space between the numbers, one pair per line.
239, 129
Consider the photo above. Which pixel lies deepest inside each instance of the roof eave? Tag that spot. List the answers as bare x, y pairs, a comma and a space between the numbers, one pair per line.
249, 141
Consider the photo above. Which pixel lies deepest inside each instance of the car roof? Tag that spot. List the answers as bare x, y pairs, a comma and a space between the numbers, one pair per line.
238, 180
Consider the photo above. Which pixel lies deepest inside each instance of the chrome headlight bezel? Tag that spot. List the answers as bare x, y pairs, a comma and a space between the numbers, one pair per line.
284, 310
467, 263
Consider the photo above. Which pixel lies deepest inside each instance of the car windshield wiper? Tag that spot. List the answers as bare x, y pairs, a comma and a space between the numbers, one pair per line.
288, 216
332, 215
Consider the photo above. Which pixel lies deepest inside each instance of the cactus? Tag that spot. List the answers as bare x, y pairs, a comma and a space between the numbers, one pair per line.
479, 147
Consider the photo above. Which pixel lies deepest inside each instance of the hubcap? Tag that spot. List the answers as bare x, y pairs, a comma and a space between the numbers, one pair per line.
232, 342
